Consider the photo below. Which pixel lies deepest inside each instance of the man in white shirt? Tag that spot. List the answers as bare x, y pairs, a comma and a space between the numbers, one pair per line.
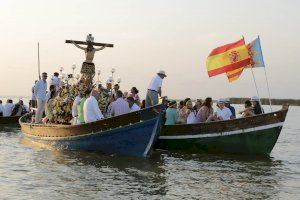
132, 105
120, 106
75, 110
40, 94
154, 89
91, 110
8, 108
56, 81
1, 108
223, 113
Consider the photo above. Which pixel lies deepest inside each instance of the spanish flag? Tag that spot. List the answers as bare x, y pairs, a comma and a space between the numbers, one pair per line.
231, 58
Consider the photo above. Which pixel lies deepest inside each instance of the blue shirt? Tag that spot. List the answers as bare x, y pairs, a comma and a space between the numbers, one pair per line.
171, 116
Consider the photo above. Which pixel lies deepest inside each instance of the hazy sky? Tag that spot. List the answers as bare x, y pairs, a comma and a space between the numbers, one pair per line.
173, 35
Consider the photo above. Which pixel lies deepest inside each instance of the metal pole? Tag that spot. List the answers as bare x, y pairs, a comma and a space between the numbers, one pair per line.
256, 88
39, 72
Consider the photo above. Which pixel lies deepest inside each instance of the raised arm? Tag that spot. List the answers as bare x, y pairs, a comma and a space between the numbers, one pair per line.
101, 48
78, 46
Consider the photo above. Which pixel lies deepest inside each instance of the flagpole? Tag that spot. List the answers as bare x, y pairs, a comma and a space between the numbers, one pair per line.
39, 69
267, 83
255, 84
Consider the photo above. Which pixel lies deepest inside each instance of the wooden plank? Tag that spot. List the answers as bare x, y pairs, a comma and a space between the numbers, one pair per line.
93, 43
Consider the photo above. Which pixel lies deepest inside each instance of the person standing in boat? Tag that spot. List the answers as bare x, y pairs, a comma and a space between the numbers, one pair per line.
257, 109
75, 108
40, 89
154, 89
56, 81
91, 110
134, 92
1, 108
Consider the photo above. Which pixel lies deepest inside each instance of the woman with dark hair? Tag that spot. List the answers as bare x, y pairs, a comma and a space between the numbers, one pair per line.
205, 113
248, 111
134, 93
49, 107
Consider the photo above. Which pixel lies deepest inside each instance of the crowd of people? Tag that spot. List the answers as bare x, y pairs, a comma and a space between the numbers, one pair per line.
185, 113
86, 105
11, 109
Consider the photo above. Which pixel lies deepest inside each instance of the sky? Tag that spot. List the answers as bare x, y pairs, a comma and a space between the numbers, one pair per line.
151, 35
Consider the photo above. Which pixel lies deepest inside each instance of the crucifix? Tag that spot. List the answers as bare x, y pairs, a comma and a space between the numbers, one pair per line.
88, 67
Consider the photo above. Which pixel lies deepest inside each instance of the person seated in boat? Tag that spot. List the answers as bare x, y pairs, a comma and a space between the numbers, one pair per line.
109, 106
19, 109
143, 104
115, 89
91, 110
51, 88
8, 108
80, 107
75, 108
206, 112
248, 111
182, 114
180, 106
119, 106
132, 105
231, 108
108, 88
197, 105
1, 108
190, 113
171, 114
223, 113
257, 109
134, 92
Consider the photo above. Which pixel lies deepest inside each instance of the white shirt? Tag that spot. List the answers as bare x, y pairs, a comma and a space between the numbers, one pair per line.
7, 109
134, 108
119, 107
55, 81
155, 83
91, 110
1, 108
74, 107
191, 119
40, 90
225, 113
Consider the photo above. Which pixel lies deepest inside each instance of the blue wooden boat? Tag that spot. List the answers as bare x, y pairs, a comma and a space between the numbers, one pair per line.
132, 134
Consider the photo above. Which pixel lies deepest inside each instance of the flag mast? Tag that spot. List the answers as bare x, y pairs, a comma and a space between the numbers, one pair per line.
254, 81
267, 81
39, 69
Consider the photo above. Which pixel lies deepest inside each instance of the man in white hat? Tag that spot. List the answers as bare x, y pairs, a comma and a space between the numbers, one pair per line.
223, 113
154, 89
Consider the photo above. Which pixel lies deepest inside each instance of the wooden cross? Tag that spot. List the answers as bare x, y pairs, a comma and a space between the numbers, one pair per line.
93, 43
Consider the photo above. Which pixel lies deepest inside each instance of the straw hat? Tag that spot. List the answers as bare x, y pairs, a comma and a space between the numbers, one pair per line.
254, 98
162, 72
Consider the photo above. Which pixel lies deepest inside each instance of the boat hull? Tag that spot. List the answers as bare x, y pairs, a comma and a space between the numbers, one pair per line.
132, 134
259, 141
12, 121
253, 135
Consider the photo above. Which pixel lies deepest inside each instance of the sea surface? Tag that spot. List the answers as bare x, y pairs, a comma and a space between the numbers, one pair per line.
30, 171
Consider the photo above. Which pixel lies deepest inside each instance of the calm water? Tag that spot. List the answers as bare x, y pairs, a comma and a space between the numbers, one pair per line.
28, 171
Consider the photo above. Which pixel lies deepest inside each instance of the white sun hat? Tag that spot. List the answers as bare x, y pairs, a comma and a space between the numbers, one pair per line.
221, 100
162, 72
254, 98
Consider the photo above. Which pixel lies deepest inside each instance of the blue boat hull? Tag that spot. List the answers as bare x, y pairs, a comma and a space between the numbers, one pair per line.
131, 140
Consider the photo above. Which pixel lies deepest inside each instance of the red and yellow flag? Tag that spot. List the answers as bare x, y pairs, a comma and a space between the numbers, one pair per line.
231, 58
